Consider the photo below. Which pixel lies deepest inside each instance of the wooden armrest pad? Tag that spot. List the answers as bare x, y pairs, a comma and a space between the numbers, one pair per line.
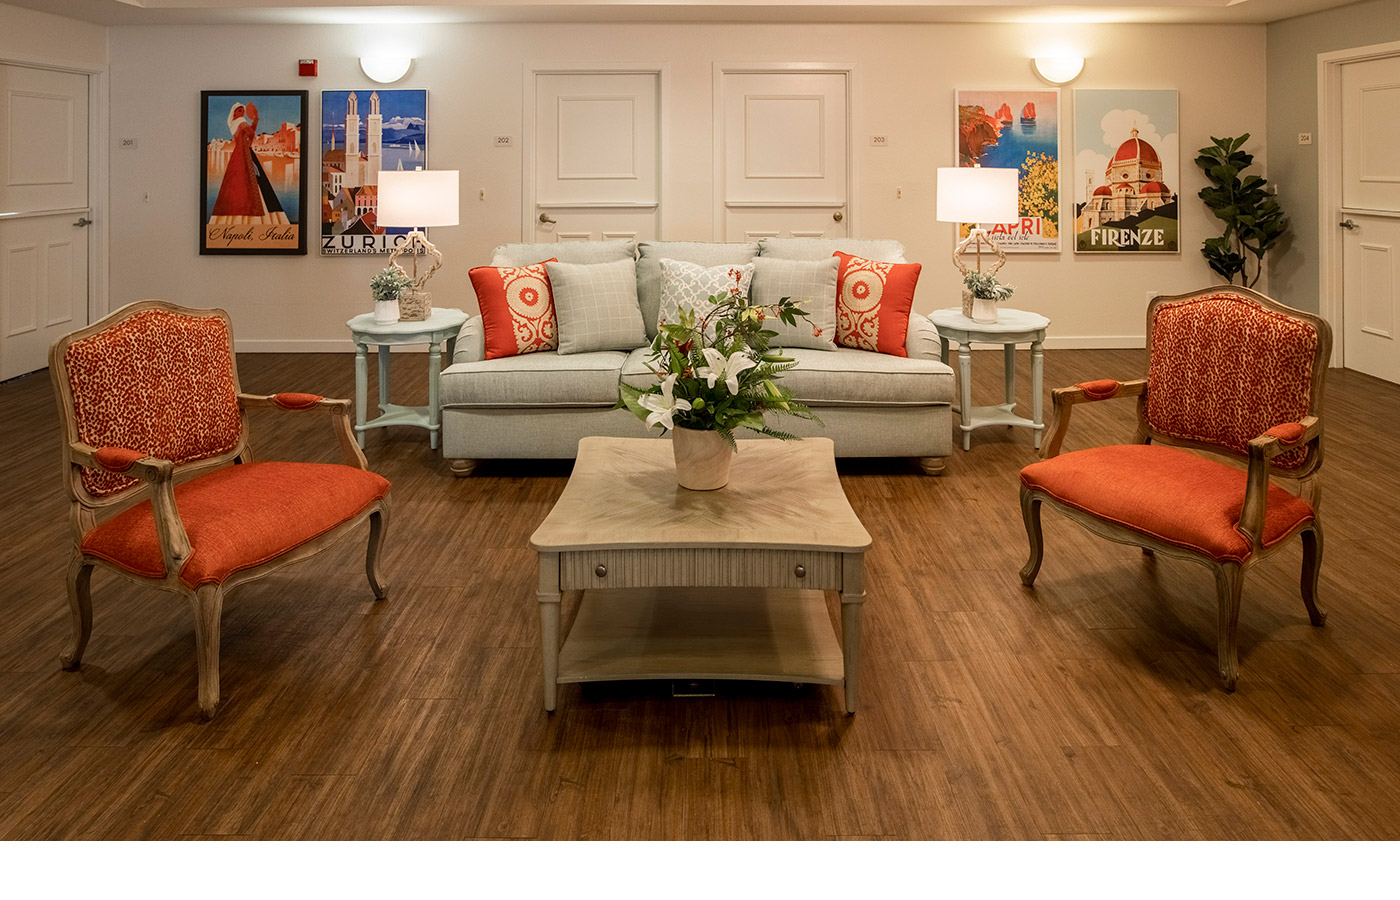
122, 461
293, 401
1286, 436
117, 459
1101, 389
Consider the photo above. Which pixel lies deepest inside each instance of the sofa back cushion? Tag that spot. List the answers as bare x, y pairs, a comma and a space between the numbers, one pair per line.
704, 253
581, 252
596, 306
813, 283
821, 248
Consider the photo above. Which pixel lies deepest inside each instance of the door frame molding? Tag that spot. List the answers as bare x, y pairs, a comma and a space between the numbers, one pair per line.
98, 233
1331, 303
529, 146
721, 69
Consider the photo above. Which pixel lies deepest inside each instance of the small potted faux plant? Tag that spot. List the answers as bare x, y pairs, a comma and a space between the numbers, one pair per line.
986, 292
715, 373
387, 287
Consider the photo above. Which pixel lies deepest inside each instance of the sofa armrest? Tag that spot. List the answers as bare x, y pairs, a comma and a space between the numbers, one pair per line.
922, 341
471, 342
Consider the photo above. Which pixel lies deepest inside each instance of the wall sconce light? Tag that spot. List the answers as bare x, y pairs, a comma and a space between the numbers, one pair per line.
385, 69
1058, 69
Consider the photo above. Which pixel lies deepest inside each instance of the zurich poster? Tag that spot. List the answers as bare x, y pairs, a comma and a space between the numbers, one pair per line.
1127, 172
1016, 129
364, 133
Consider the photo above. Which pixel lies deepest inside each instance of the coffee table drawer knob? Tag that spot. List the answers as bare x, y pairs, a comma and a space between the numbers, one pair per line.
800, 571
601, 571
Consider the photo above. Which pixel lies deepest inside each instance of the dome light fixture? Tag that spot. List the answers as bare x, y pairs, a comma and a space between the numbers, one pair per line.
1058, 69
385, 69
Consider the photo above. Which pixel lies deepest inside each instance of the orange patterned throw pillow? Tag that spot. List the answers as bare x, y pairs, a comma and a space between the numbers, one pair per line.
517, 309
873, 300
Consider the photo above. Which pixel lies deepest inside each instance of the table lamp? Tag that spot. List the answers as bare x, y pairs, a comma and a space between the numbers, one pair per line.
417, 200
980, 197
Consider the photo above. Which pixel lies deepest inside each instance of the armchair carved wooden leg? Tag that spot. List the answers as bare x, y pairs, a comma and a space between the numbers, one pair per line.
80, 603
378, 524
1312, 567
1030, 513
1229, 584
208, 605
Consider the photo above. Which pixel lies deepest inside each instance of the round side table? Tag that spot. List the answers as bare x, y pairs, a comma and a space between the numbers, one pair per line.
1012, 327
441, 325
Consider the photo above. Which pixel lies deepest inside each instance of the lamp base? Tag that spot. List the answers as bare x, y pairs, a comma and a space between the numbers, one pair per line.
415, 306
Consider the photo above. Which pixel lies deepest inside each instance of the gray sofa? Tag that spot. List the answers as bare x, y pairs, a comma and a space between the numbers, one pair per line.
538, 405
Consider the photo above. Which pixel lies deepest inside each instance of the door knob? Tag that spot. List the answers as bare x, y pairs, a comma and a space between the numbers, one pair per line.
83, 222
546, 220
837, 215
1348, 224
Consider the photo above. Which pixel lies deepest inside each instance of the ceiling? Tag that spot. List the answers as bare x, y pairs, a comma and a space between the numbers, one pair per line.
220, 12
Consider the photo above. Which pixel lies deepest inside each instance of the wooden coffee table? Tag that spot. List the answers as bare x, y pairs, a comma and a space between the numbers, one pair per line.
678, 584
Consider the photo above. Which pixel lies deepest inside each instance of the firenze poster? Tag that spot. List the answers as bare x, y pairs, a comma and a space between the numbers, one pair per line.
1127, 172
364, 133
253, 180
1017, 129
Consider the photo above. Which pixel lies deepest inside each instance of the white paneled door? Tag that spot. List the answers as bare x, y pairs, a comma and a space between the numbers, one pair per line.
596, 149
782, 152
1371, 217
43, 213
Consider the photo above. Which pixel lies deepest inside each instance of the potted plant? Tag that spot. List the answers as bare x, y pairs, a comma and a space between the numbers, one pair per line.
986, 293
715, 373
386, 288
1254, 221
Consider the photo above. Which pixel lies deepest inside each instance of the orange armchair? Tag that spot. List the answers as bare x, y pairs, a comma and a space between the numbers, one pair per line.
149, 397
1229, 371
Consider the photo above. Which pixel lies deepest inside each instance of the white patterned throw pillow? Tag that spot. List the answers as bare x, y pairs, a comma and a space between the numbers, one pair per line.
691, 285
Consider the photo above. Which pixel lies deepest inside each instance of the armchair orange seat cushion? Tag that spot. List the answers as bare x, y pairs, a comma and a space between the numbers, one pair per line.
1168, 494
239, 517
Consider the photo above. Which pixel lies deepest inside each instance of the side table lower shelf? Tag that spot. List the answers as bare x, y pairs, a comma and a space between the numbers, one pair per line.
748, 634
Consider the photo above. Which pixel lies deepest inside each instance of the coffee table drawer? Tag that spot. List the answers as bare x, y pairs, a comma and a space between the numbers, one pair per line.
700, 567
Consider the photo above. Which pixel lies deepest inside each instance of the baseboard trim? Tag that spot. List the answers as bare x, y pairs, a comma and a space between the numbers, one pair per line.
1052, 342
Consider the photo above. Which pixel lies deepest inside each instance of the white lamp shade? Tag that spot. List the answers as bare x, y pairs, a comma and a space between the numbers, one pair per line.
979, 196
417, 199
1058, 69
385, 69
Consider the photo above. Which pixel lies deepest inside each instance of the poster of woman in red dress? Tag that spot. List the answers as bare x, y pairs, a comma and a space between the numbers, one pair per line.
253, 182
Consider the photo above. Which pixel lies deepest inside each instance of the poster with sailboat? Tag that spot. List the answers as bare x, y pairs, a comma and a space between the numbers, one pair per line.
364, 133
1016, 129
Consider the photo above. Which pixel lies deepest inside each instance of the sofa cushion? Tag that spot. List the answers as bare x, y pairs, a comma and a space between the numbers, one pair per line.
843, 377
811, 281
873, 300
565, 251
704, 253
517, 309
545, 379
821, 248
690, 285
596, 305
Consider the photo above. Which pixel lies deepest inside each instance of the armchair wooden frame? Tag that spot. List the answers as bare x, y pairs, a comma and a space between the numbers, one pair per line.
157, 479
1229, 575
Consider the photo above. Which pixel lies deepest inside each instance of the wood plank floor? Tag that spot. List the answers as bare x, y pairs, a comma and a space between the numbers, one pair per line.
1085, 708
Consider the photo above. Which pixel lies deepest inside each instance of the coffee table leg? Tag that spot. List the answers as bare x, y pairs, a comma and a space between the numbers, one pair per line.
548, 596
852, 600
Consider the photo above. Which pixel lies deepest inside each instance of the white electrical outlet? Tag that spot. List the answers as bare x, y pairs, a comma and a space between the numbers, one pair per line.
504, 140
1304, 138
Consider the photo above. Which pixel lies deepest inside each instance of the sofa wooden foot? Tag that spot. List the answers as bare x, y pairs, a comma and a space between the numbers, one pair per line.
932, 465
461, 467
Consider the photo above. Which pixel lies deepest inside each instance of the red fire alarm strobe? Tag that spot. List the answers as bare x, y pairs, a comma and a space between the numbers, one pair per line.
306, 67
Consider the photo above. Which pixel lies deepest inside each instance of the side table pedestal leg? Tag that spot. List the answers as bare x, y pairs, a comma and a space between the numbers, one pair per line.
361, 391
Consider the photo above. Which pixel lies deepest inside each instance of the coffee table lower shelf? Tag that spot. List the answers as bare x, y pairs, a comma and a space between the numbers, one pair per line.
747, 634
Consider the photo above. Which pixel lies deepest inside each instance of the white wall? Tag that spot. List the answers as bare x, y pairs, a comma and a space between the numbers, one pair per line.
27, 36
906, 76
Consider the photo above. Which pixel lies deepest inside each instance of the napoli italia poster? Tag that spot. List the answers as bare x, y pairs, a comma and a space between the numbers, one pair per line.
1020, 130
362, 134
1127, 167
252, 182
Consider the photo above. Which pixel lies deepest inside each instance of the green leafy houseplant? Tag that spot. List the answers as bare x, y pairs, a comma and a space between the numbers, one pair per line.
716, 372
987, 287
1254, 221
390, 284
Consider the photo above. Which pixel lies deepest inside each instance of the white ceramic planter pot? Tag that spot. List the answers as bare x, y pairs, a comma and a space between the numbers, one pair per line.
386, 312
702, 459
984, 311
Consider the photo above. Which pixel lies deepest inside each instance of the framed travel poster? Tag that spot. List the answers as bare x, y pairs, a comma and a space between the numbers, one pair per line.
1127, 169
1016, 129
362, 134
252, 196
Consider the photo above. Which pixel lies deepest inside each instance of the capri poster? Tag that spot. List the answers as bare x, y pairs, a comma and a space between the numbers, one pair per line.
1017, 130
252, 182
1127, 172
364, 133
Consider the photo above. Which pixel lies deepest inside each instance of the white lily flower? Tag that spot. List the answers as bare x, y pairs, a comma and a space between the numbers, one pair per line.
664, 405
727, 370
